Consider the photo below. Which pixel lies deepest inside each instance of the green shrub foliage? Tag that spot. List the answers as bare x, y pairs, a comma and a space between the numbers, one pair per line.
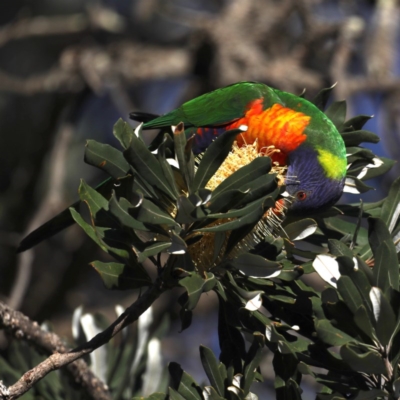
345, 336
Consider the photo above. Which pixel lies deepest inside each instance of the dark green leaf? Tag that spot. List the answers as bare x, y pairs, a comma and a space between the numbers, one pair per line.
120, 276
356, 137
391, 207
330, 335
357, 122
321, 99
356, 185
147, 166
336, 112
212, 393
349, 292
123, 132
255, 266
368, 362
363, 320
92, 198
301, 229
213, 158
382, 169
120, 209
371, 394
107, 158
226, 201
184, 154
184, 383
386, 267
153, 249
174, 395
338, 248
195, 285
55, 225
249, 214
211, 367
149, 213
166, 167
384, 316
241, 178
89, 230
252, 361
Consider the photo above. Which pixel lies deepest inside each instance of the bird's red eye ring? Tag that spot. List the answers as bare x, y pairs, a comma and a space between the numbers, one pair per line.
301, 195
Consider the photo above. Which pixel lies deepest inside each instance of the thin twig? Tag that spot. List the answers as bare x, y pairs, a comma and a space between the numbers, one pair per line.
59, 360
21, 327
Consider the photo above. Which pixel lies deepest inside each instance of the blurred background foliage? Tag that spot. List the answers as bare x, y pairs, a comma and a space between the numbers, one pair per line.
69, 69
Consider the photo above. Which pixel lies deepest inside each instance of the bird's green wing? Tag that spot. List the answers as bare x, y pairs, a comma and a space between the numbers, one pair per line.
216, 108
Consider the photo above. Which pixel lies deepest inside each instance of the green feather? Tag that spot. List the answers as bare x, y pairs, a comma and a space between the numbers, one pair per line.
218, 107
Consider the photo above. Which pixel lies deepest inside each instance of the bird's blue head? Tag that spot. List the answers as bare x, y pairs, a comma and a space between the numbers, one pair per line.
315, 179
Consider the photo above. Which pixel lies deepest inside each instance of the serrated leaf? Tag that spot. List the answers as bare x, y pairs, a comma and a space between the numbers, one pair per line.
213, 158
106, 158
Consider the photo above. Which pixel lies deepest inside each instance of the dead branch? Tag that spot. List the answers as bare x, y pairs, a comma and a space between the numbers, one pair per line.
22, 328
61, 358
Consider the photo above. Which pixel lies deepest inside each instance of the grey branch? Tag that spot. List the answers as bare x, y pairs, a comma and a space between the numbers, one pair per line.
21, 327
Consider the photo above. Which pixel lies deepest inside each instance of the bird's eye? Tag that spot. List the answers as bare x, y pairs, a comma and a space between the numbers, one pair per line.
301, 195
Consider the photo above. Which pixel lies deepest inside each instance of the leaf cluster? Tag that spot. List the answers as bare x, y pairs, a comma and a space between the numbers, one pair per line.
156, 210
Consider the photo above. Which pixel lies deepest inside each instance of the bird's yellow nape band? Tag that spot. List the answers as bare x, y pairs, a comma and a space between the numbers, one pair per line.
334, 166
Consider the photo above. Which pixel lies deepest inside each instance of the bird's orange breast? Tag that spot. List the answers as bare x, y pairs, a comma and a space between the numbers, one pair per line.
279, 126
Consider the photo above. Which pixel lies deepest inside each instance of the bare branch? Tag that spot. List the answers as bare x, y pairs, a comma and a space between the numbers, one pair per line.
61, 359
21, 327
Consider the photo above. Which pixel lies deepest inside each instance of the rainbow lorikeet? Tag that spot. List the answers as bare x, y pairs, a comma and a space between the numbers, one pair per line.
308, 141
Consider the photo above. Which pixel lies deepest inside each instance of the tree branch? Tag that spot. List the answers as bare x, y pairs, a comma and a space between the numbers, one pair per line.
20, 326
